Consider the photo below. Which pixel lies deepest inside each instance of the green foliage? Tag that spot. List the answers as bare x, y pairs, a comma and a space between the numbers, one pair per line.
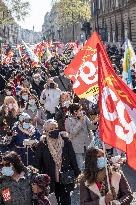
11, 10
73, 11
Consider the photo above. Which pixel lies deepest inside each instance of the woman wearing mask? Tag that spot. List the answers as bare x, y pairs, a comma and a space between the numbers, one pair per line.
25, 138
24, 96
15, 183
93, 182
9, 111
79, 127
36, 112
62, 109
50, 98
55, 156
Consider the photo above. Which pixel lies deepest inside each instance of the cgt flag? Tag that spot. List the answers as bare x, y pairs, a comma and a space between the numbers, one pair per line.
8, 58
117, 108
83, 70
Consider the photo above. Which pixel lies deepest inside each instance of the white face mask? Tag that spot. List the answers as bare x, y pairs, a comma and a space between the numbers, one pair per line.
9, 93
25, 97
32, 102
10, 106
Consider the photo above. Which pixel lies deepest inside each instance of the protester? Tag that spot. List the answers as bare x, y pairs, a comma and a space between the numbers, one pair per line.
79, 128
40, 188
62, 110
55, 156
9, 111
50, 98
25, 137
93, 182
36, 112
38, 84
15, 183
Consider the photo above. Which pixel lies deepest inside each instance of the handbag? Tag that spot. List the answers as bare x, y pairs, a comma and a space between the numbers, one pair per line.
67, 177
52, 198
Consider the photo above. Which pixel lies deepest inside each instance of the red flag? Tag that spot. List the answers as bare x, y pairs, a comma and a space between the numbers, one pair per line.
8, 58
83, 70
117, 108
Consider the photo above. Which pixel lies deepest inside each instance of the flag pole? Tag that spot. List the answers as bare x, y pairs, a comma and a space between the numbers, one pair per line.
106, 166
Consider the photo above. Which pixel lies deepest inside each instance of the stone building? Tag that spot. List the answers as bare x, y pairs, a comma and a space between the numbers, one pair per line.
52, 30
114, 20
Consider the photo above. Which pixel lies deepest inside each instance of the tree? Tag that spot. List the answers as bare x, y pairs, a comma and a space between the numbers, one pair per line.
71, 12
11, 10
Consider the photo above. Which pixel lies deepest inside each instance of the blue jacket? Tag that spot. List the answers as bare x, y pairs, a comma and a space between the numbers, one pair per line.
26, 154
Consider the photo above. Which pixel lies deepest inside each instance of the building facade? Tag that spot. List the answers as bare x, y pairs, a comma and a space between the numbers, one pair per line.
114, 20
52, 30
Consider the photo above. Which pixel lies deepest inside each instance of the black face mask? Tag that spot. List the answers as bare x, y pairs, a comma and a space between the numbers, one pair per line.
54, 134
52, 85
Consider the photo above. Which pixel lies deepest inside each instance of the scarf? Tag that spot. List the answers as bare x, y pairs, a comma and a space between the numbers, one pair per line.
56, 147
30, 132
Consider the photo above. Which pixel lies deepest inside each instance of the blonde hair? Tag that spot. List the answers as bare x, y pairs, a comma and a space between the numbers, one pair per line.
10, 99
53, 122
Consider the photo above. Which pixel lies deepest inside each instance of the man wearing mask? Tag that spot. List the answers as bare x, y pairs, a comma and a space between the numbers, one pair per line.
38, 84
50, 98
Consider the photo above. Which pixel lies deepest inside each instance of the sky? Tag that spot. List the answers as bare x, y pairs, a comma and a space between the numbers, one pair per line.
37, 13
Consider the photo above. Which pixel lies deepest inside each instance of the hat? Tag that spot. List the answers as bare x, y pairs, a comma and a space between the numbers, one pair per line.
24, 116
42, 180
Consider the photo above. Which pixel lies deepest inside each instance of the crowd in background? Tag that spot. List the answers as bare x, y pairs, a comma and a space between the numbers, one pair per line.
49, 138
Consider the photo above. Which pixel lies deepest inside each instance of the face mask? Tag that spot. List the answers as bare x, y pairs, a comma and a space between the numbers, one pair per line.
10, 106
31, 102
8, 93
36, 80
54, 134
52, 85
67, 104
7, 171
26, 125
101, 162
25, 97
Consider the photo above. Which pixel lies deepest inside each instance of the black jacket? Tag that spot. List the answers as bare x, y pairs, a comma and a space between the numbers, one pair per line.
45, 162
38, 88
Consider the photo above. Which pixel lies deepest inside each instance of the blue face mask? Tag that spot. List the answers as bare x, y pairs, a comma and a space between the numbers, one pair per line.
25, 97
100, 162
7, 171
26, 125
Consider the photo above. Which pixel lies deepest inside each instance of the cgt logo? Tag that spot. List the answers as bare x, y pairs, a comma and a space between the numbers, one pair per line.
88, 73
114, 110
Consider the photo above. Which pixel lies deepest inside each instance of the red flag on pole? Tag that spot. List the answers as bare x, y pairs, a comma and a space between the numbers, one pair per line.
83, 70
117, 108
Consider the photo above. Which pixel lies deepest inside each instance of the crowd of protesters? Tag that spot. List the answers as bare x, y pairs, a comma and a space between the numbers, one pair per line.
49, 139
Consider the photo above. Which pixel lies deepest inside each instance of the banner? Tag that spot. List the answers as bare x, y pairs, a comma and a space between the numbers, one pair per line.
83, 70
117, 109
